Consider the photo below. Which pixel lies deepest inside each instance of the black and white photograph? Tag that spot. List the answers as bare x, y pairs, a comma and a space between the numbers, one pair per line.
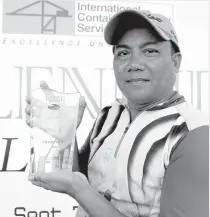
104, 108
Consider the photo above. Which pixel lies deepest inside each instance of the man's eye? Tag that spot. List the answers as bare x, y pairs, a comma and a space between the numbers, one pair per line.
122, 53
150, 52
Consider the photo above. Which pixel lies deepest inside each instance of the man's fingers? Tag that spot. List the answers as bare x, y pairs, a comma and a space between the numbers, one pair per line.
39, 124
82, 102
45, 88
35, 113
28, 109
32, 122
38, 177
37, 103
41, 184
41, 177
28, 120
43, 84
37, 183
82, 106
28, 99
31, 101
32, 112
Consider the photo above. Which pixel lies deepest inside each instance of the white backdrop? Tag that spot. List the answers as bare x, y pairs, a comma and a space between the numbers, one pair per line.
77, 51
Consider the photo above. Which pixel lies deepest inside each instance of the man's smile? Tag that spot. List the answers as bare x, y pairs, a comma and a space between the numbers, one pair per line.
137, 80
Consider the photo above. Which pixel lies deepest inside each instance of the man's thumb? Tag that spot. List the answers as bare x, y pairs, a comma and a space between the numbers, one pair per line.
82, 103
82, 106
44, 85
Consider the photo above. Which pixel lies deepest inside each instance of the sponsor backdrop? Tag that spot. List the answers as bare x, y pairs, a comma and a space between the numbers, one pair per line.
61, 42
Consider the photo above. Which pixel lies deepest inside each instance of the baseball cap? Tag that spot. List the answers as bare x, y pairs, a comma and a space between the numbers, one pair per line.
129, 19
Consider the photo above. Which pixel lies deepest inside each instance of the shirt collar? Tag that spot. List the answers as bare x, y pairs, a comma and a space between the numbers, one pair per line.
175, 99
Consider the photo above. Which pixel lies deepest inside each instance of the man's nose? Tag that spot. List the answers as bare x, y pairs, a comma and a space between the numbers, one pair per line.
136, 64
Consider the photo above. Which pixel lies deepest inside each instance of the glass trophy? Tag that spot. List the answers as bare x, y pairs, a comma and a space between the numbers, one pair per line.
53, 133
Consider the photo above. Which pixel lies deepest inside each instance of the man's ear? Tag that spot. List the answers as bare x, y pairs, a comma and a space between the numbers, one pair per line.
177, 58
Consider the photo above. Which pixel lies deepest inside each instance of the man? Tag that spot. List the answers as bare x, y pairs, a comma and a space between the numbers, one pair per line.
146, 155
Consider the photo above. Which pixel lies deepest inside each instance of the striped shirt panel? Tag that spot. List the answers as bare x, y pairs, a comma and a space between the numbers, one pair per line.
103, 162
107, 124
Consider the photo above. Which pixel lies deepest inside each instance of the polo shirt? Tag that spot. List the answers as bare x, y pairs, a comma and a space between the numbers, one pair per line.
156, 165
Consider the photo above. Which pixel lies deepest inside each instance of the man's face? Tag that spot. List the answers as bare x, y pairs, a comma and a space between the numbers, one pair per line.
143, 67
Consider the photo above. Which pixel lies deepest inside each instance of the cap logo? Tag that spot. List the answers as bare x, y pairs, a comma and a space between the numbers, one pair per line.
173, 33
150, 16
171, 36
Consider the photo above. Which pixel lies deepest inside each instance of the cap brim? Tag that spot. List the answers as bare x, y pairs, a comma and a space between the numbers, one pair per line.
126, 20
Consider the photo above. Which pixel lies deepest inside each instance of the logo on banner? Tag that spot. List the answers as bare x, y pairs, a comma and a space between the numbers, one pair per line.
63, 17
38, 17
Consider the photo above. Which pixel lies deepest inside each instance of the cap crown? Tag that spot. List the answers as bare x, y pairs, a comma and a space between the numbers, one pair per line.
163, 24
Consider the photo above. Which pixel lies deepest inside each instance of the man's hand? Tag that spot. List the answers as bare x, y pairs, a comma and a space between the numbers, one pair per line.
63, 181
38, 110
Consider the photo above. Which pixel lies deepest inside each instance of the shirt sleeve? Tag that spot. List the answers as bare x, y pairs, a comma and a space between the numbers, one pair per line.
186, 183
